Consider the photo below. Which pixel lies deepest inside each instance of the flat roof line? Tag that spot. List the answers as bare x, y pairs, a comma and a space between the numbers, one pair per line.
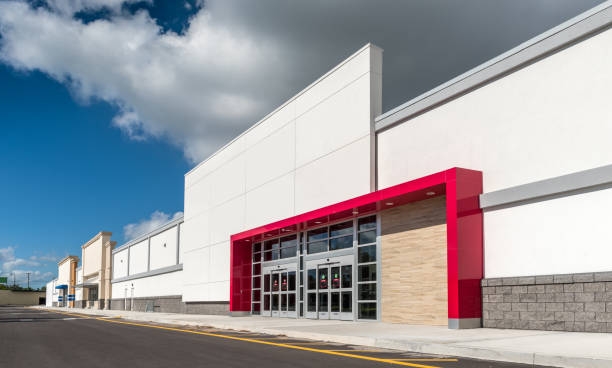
585, 24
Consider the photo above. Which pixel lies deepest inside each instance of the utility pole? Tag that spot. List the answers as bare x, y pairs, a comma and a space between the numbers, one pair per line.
28, 273
14, 279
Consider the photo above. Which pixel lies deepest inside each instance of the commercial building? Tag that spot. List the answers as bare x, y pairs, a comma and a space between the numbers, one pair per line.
483, 202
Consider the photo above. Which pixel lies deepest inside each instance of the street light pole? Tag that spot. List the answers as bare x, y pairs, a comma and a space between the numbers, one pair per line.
28, 273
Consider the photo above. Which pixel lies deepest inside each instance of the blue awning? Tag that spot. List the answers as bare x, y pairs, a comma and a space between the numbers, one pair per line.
61, 287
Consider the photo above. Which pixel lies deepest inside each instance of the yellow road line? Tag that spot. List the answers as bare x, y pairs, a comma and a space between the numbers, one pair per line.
363, 351
363, 357
430, 360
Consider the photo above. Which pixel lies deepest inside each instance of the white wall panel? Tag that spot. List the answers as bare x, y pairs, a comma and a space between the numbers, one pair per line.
340, 175
270, 124
228, 181
219, 159
197, 198
195, 232
120, 264
271, 202
160, 285
163, 249
347, 72
339, 120
272, 157
548, 119
219, 262
227, 219
138, 258
565, 235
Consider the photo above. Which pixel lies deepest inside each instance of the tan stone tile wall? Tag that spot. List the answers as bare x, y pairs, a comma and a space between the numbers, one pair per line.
414, 275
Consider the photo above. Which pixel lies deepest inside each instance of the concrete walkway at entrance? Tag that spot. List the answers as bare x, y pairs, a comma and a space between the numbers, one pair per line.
558, 349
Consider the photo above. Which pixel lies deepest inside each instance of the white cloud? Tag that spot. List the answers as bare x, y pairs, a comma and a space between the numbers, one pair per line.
157, 219
11, 265
197, 89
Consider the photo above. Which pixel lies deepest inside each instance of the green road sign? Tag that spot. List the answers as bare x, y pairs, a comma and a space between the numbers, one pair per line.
3, 280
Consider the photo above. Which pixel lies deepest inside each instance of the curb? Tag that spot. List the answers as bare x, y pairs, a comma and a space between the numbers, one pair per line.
532, 358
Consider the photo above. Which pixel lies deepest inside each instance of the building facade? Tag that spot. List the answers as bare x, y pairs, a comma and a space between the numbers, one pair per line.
483, 202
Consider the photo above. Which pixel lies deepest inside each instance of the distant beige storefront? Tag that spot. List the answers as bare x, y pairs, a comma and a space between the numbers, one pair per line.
94, 275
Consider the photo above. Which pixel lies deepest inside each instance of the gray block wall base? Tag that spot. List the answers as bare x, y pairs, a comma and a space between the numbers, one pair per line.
169, 304
570, 302
464, 323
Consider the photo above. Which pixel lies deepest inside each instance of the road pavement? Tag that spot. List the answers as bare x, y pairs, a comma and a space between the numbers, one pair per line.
42, 338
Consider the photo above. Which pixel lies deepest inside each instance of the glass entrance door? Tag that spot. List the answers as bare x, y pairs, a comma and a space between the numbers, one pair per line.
330, 291
279, 293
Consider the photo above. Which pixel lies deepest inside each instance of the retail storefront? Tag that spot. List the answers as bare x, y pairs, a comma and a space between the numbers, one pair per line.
408, 253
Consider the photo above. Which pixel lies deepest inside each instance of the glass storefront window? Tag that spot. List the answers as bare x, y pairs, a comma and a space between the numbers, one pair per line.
366, 223
341, 242
292, 281
256, 269
317, 234
312, 302
367, 237
367, 311
347, 276
256, 295
266, 302
312, 279
288, 246
256, 282
267, 282
317, 247
366, 254
255, 308
274, 302
292, 302
367, 291
323, 278
347, 302
367, 272
345, 228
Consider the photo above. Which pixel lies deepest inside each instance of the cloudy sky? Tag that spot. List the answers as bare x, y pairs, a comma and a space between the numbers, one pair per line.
107, 103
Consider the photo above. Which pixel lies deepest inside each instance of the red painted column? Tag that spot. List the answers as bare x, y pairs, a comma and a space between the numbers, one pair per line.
464, 248
240, 276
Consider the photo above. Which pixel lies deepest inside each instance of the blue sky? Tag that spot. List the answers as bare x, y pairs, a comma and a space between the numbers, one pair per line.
106, 104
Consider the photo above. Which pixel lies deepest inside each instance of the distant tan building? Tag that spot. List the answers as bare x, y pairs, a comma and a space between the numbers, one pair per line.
93, 288
66, 280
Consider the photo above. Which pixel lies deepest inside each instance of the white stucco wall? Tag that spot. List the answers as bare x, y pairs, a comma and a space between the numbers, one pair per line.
51, 293
163, 249
138, 258
548, 119
120, 264
313, 151
78, 293
160, 285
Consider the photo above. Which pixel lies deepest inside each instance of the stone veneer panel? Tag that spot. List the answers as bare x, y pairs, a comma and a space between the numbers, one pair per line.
413, 265
574, 302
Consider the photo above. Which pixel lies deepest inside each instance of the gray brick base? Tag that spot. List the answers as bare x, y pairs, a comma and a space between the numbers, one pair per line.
575, 302
170, 304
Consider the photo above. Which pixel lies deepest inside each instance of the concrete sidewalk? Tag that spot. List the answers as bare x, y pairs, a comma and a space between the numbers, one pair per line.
559, 349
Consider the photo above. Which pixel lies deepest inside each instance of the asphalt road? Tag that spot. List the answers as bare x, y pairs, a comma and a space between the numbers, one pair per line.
39, 338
